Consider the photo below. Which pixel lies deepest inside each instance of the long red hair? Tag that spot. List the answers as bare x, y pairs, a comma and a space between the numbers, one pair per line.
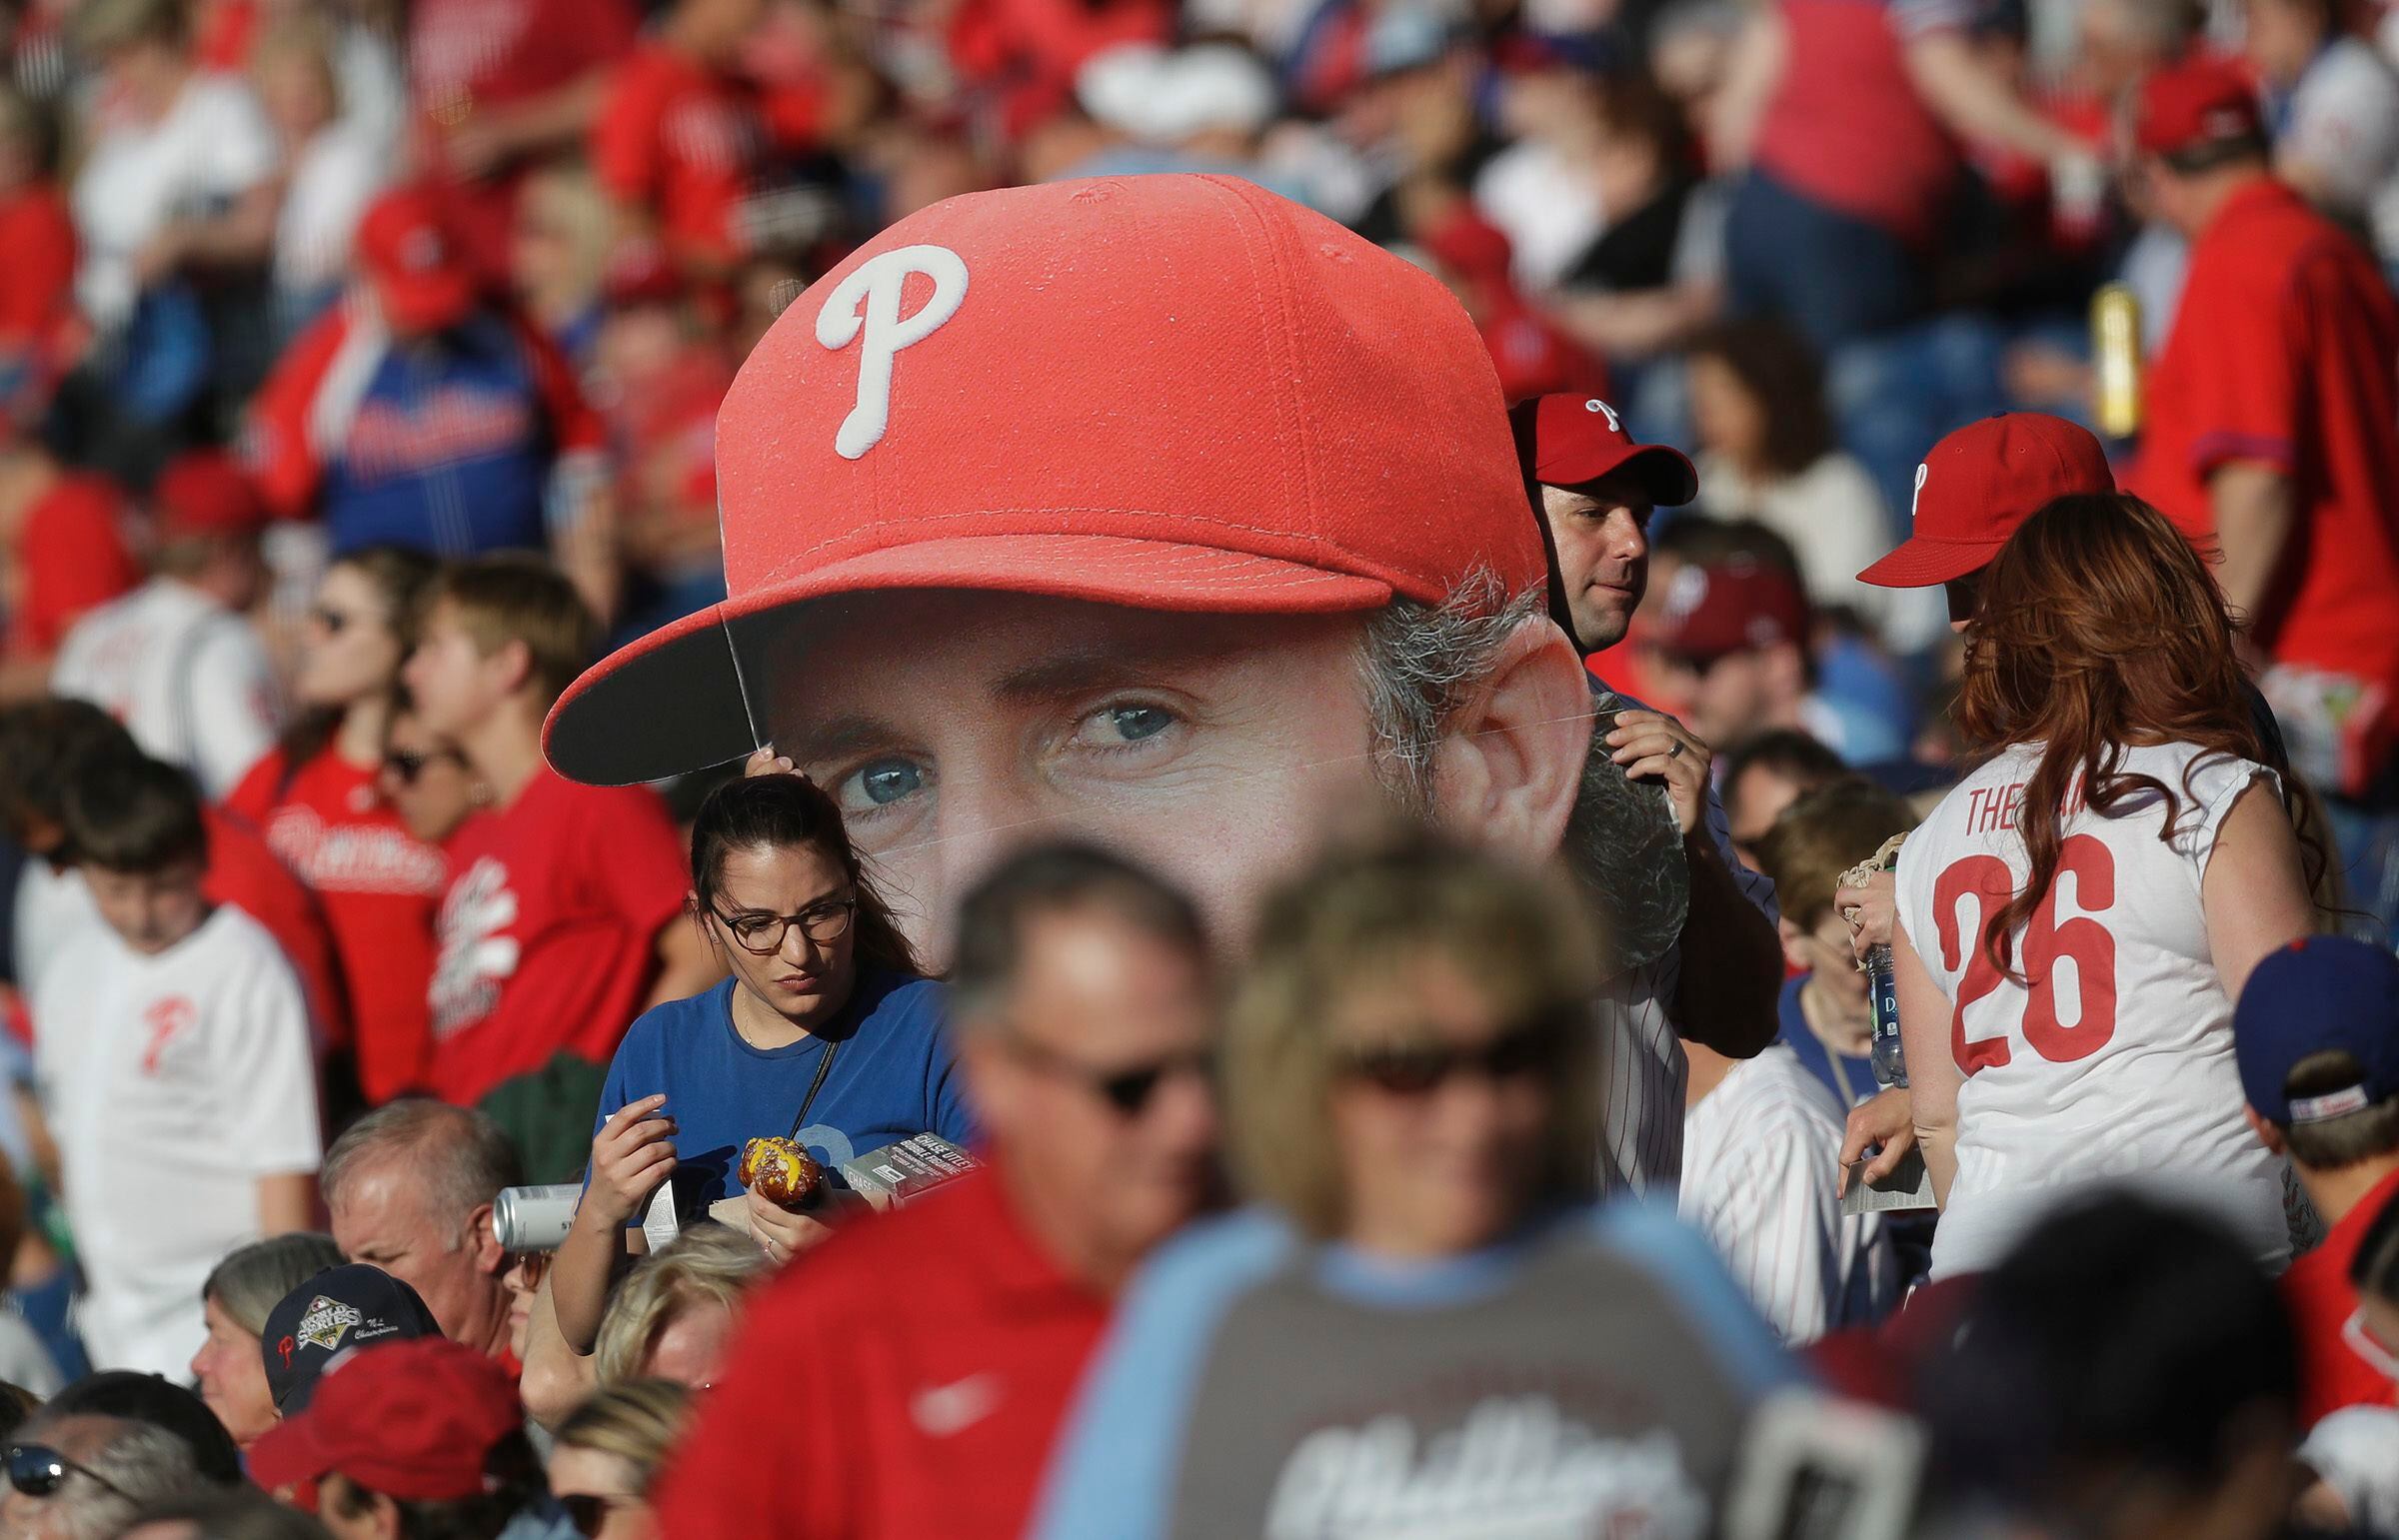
2099, 627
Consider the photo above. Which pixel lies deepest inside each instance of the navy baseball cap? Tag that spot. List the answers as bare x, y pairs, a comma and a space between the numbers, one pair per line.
339, 1310
2318, 995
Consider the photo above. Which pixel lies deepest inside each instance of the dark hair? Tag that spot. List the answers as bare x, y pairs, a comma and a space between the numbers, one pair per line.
2099, 625
2217, 154
401, 578
1797, 757
1704, 541
1046, 879
2329, 1143
137, 815
157, 1402
783, 812
513, 1481
232, 1513
45, 747
1631, 105
2375, 1269
1780, 371
2119, 1338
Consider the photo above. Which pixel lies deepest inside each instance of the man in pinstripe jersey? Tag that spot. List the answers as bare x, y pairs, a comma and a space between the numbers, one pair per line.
1717, 985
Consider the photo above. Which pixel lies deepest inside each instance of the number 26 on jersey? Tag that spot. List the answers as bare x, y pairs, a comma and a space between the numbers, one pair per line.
2082, 939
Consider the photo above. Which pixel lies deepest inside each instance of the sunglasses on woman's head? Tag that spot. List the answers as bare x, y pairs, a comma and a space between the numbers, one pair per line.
1530, 1050
37, 1470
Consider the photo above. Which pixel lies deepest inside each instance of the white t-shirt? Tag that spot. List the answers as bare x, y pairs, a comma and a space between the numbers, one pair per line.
172, 1084
2117, 1065
1760, 1156
333, 179
2343, 124
188, 677
213, 145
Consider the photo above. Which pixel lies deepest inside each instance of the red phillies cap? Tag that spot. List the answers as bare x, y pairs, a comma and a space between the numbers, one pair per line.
1174, 393
1980, 483
1739, 605
405, 247
201, 492
1578, 439
2195, 103
412, 1419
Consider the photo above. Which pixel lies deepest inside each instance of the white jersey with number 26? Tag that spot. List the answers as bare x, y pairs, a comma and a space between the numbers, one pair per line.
2113, 1061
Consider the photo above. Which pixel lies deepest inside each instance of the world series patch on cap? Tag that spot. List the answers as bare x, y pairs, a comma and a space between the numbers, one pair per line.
1177, 393
338, 1311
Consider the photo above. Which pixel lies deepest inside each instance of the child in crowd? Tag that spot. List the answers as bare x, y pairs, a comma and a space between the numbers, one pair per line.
172, 1050
559, 924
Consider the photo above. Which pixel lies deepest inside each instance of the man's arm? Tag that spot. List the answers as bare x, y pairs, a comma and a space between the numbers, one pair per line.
1975, 103
2253, 507
286, 1201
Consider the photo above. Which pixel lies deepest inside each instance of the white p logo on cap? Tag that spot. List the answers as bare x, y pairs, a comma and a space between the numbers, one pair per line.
1595, 404
868, 300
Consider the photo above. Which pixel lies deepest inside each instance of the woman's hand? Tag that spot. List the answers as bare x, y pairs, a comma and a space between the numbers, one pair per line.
1886, 1119
765, 761
631, 1153
783, 1233
1871, 909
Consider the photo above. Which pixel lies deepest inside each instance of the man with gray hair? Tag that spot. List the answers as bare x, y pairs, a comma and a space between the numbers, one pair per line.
410, 1187
81, 1476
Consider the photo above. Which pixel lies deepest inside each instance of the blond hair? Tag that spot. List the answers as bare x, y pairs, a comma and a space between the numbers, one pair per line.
1370, 918
707, 1265
508, 598
637, 1422
1822, 836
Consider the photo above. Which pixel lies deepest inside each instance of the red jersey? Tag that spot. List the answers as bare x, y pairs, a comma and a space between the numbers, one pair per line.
2285, 349
684, 141
942, 1343
242, 871
378, 886
37, 283
2316, 1289
69, 558
548, 934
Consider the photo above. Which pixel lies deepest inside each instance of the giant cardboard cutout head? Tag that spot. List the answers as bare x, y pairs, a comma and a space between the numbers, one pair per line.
1155, 509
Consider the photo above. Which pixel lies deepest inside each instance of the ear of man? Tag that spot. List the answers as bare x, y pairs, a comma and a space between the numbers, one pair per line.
1511, 758
483, 1237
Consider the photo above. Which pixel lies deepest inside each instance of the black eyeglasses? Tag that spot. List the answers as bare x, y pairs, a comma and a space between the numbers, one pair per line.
762, 935
1532, 1050
589, 1511
1127, 1089
408, 765
37, 1470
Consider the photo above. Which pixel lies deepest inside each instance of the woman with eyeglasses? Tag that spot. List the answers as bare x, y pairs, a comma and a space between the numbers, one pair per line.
825, 1033
1424, 1322
317, 797
609, 1450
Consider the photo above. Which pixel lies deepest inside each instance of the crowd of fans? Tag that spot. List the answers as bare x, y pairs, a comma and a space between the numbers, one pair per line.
1366, 969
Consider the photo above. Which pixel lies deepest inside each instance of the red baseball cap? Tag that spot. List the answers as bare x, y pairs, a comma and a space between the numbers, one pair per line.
1575, 439
1980, 483
412, 1419
201, 492
421, 277
1171, 393
1710, 612
2194, 103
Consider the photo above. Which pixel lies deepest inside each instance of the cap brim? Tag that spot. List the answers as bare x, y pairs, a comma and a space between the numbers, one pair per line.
1665, 473
1918, 562
677, 700
289, 1454
431, 302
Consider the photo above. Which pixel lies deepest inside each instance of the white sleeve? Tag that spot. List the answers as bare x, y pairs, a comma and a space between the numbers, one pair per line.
241, 151
1772, 1217
233, 708
2356, 1451
268, 1079
2204, 796
2344, 123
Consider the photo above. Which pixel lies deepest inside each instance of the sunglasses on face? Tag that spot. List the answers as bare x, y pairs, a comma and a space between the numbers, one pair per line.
762, 935
37, 1470
589, 1511
1533, 1050
408, 765
1127, 1090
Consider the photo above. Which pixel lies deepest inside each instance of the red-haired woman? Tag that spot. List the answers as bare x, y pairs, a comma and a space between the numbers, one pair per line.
2078, 916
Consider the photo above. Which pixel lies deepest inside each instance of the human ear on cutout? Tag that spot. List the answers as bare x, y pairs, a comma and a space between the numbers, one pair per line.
1511, 758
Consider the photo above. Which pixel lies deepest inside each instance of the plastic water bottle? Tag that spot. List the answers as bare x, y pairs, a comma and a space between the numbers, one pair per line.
1890, 1064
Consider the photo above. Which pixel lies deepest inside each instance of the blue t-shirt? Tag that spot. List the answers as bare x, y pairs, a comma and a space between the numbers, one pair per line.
1849, 1076
891, 1079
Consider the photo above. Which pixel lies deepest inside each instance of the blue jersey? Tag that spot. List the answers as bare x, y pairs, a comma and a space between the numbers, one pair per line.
1594, 1372
891, 1079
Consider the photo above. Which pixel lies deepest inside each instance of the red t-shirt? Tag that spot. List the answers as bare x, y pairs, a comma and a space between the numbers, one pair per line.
378, 886
548, 934
935, 1337
682, 141
37, 282
1846, 127
71, 559
2317, 1291
242, 871
2285, 349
